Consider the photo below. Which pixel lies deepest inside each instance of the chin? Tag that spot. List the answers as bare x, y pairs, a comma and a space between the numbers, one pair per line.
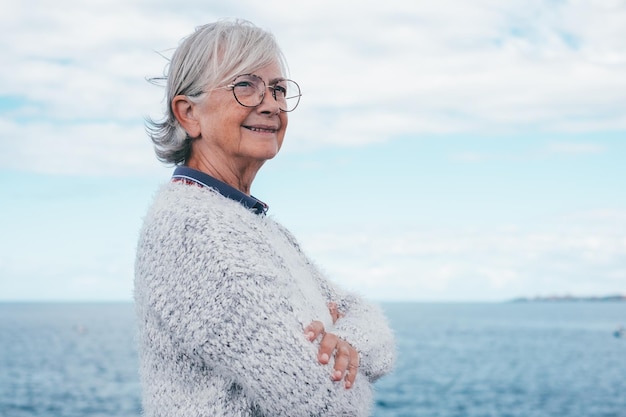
267, 152
269, 155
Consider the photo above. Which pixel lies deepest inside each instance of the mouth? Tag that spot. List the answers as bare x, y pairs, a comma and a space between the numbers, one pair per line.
262, 129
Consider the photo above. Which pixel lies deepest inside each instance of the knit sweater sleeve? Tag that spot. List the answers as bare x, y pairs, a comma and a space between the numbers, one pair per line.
218, 298
363, 325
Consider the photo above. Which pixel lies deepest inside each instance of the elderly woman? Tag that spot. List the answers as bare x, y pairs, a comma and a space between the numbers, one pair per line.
234, 319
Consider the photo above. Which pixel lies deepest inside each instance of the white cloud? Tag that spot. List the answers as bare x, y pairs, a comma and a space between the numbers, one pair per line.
486, 264
472, 156
88, 148
370, 71
574, 148
549, 149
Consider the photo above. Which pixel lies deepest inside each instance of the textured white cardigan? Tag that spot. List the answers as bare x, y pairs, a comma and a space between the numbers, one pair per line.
222, 298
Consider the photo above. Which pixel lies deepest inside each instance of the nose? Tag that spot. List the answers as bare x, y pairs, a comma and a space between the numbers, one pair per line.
268, 104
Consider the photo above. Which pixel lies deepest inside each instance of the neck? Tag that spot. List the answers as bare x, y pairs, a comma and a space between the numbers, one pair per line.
238, 174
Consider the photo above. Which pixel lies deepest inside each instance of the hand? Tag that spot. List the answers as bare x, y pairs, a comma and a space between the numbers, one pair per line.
346, 357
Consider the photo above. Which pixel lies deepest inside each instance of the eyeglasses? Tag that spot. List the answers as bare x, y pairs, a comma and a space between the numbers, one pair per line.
249, 91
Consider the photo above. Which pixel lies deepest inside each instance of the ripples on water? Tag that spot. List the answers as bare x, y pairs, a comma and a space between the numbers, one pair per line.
68, 360
523, 360
455, 360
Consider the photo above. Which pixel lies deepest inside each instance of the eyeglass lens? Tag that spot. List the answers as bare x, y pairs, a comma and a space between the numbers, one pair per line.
249, 91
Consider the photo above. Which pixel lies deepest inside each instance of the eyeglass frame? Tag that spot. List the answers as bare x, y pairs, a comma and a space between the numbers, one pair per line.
265, 87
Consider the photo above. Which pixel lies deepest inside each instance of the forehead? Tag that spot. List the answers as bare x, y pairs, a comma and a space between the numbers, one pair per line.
269, 73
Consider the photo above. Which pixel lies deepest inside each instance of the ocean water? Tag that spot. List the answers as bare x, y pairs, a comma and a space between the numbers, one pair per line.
500, 360
507, 360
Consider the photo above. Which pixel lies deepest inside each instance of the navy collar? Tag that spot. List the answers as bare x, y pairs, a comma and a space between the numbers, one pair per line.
186, 174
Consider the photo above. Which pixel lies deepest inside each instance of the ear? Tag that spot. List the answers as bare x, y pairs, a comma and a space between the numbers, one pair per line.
183, 110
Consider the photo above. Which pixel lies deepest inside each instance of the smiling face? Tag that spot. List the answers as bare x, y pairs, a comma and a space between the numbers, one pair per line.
235, 136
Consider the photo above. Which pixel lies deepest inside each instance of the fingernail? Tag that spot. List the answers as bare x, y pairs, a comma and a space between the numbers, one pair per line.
324, 358
338, 375
348, 384
310, 335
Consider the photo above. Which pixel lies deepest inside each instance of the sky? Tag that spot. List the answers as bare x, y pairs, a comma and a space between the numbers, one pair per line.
458, 150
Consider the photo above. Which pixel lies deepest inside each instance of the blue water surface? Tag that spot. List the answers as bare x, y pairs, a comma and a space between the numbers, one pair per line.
68, 360
469, 359
505, 360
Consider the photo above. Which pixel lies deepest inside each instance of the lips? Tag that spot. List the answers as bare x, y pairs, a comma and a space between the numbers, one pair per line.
262, 128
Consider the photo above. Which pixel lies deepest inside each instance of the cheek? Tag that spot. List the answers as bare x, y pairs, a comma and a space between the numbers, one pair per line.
281, 136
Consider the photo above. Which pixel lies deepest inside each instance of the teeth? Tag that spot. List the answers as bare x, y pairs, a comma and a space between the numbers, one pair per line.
257, 129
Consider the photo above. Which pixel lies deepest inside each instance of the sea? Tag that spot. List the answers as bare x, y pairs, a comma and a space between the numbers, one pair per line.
534, 359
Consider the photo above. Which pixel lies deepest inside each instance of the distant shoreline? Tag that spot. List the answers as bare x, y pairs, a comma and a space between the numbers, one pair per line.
570, 298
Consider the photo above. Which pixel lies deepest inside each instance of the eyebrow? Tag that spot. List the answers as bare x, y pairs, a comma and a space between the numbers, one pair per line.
276, 80
270, 82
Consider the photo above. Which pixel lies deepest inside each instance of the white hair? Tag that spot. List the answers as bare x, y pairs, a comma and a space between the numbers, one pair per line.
210, 57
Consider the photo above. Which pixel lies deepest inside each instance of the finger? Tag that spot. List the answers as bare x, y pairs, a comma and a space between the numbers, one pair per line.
314, 330
327, 346
342, 359
334, 313
353, 367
